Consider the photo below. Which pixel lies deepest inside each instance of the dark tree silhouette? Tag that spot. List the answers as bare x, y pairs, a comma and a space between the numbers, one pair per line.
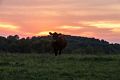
42, 44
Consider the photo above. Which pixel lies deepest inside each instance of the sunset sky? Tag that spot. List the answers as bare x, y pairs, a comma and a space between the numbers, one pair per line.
90, 18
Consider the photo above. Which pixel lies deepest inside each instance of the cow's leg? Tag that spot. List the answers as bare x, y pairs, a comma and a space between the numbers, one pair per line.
56, 52
60, 51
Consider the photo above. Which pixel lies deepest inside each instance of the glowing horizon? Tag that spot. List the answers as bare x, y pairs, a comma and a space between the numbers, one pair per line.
96, 18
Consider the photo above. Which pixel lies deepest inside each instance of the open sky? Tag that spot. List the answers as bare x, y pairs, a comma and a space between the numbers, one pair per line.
91, 18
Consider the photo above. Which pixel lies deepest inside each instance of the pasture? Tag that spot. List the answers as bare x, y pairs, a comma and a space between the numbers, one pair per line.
64, 67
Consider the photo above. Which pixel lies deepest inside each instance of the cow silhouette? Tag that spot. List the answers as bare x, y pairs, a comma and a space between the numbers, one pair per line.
58, 42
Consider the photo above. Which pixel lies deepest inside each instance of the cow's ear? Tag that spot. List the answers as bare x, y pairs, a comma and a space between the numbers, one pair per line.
50, 33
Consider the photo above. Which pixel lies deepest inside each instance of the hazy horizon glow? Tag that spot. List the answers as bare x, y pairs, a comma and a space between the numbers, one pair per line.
89, 18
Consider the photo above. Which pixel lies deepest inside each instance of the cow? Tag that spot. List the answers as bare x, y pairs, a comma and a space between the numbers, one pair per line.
58, 42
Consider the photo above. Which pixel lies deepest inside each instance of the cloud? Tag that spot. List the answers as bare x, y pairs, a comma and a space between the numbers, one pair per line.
38, 17
8, 26
88, 34
43, 33
0, 0
70, 27
103, 24
60, 2
116, 30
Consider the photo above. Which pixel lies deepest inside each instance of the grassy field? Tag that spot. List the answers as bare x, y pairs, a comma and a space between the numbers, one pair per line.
64, 67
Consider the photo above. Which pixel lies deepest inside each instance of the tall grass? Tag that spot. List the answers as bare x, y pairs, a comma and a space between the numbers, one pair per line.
64, 67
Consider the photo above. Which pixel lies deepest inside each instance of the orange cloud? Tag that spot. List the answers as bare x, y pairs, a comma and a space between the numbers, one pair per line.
43, 33
116, 30
88, 34
103, 24
8, 26
70, 27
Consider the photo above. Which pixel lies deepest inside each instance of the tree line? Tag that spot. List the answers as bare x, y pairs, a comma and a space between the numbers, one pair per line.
42, 44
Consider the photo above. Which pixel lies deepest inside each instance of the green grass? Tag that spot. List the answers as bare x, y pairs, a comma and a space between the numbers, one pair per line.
64, 67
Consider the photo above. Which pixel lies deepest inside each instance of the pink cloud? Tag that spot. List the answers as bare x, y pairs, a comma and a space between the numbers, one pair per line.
36, 17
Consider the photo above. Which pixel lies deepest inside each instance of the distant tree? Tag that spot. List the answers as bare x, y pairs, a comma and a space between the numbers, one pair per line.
42, 44
3, 44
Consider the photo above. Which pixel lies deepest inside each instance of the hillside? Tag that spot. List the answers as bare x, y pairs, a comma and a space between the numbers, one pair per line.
42, 44
91, 45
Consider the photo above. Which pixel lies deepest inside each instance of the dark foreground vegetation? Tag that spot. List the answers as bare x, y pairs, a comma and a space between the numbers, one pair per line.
42, 44
64, 67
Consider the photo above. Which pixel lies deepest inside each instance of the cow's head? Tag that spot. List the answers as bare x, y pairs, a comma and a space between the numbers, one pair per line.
55, 35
